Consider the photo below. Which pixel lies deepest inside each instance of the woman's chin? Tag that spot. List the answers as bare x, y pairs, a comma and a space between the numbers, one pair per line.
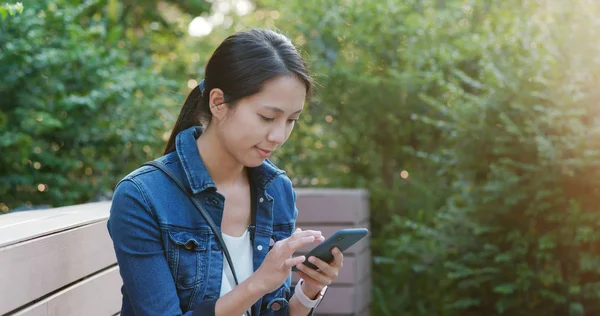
253, 163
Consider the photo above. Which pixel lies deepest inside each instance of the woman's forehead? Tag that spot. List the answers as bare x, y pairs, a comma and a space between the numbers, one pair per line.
283, 94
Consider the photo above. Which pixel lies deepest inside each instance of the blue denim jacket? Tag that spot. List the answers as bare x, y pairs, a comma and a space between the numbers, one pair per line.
169, 259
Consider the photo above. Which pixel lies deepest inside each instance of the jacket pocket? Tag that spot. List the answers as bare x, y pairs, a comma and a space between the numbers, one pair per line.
188, 256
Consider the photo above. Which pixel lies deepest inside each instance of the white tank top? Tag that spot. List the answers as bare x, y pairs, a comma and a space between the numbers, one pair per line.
240, 250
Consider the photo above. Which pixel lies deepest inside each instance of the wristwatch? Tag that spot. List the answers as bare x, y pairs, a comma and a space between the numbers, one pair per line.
305, 300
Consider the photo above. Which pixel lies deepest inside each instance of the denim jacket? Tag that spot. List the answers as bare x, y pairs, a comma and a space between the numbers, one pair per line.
169, 259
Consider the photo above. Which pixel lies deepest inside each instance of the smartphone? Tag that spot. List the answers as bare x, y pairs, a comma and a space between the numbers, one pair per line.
342, 239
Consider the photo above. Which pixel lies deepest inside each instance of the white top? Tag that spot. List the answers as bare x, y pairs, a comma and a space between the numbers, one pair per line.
240, 249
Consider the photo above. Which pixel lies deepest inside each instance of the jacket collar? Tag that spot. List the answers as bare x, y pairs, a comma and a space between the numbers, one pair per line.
196, 173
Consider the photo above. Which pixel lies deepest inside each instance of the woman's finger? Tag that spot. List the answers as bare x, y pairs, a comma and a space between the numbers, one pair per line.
294, 244
304, 233
338, 257
289, 263
314, 274
325, 268
310, 281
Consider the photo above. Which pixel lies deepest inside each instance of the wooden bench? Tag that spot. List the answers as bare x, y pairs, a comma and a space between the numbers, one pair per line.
61, 261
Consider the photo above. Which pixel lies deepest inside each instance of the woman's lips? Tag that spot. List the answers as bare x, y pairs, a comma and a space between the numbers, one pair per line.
263, 153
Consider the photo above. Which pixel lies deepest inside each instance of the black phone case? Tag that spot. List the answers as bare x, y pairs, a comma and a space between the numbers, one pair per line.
342, 239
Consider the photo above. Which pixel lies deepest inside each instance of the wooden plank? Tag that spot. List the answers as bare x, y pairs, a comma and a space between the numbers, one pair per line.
329, 230
363, 294
346, 299
338, 300
321, 206
364, 265
98, 295
366, 312
37, 267
21, 226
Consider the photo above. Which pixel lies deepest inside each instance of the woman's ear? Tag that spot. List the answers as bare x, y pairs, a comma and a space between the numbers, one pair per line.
217, 105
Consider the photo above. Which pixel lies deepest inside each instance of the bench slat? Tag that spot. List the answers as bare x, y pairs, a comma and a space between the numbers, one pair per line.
21, 226
323, 206
99, 295
46, 264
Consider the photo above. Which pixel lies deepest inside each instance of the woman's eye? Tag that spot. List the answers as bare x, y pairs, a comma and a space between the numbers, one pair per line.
293, 120
266, 119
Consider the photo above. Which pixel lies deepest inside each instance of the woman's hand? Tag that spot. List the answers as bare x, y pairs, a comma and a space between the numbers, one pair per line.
316, 280
279, 262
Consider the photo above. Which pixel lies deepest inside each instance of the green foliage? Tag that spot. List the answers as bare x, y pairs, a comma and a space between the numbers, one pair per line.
473, 124
530, 166
74, 114
10, 9
490, 107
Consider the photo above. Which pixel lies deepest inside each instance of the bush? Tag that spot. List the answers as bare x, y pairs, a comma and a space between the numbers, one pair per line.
490, 109
521, 222
74, 115
517, 235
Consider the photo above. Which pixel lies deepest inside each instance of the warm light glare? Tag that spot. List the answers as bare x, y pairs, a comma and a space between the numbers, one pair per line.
221, 16
199, 27
404, 174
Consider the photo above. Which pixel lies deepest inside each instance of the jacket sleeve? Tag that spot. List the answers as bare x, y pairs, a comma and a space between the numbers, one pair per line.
136, 237
292, 288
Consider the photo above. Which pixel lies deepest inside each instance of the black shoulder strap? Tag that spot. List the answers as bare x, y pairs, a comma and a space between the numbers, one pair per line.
253, 206
206, 216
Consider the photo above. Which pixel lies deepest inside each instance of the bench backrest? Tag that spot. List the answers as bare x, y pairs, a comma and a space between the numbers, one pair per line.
61, 261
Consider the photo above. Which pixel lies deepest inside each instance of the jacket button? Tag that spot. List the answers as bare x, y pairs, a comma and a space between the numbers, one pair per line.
275, 306
189, 245
261, 200
259, 247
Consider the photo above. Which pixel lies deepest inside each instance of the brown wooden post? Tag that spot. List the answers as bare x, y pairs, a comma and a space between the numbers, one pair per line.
330, 210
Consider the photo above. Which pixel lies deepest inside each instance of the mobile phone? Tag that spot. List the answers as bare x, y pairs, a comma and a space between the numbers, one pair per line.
342, 239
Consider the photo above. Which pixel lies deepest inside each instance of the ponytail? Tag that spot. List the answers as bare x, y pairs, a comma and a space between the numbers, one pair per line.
188, 116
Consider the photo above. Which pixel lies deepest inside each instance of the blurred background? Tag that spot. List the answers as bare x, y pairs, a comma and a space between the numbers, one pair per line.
474, 124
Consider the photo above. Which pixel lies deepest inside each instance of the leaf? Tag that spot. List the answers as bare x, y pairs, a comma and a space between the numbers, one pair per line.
576, 309
507, 288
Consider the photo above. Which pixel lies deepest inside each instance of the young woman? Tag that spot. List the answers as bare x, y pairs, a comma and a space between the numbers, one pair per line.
170, 260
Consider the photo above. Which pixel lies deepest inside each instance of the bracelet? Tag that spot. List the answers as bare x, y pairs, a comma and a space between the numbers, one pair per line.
305, 300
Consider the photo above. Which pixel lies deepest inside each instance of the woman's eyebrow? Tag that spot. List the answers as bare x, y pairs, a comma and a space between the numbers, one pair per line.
278, 110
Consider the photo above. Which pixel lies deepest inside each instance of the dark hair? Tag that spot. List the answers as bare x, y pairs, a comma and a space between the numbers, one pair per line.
239, 67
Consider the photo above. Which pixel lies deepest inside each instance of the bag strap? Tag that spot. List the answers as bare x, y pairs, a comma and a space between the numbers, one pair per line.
162, 167
253, 206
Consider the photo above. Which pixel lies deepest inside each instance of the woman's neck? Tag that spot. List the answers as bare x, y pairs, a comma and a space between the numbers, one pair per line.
223, 168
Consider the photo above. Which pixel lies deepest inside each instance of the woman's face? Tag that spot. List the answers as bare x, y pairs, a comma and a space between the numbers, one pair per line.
257, 125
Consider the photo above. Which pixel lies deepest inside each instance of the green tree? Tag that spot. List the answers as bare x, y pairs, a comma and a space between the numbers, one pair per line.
489, 108
10, 9
76, 112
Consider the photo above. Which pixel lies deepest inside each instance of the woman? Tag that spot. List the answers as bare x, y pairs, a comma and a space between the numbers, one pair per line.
170, 260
